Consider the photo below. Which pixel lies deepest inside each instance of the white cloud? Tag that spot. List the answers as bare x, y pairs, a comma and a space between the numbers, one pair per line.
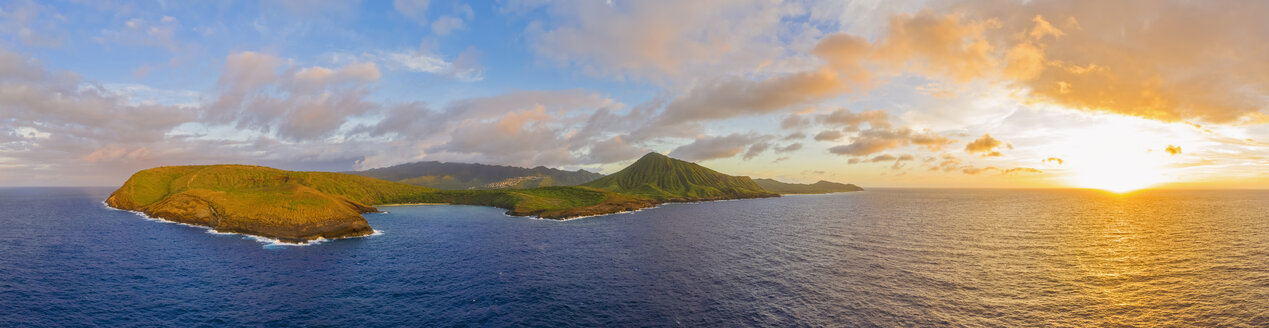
413, 9
415, 61
464, 67
446, 24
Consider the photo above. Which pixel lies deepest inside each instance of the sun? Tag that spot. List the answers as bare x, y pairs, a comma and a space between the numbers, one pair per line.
1115, 158
1120, 175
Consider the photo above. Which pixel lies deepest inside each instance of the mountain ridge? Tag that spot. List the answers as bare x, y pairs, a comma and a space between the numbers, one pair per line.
462, 176
819, 187
664, 178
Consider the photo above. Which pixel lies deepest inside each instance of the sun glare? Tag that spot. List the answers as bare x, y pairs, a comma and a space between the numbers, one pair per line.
1117, 175
1116, 158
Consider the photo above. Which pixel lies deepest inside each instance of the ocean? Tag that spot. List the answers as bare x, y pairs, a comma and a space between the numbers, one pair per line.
884, 257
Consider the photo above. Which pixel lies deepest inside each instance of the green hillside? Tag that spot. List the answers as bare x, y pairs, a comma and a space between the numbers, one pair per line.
301, 206
820, 187
561, 202
462, 176
663, 178
289, 206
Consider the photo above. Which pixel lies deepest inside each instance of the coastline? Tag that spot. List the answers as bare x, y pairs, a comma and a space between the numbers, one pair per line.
412, 204
266, 240
569, 217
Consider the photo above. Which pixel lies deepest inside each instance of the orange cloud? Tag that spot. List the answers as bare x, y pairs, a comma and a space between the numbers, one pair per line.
876, 140
975, 170
1020, 170
925, 42
1173, 150
986, 146
1163, 60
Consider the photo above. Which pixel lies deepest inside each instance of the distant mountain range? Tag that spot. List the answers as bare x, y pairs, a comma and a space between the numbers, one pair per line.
462, 176
821, 187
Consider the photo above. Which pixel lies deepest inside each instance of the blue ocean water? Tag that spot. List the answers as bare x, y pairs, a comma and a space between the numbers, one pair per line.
877, 258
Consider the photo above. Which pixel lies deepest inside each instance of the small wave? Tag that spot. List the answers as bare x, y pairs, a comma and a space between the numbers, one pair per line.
591, 216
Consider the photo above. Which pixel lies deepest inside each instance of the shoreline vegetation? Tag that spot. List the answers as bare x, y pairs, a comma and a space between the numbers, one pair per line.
297, 207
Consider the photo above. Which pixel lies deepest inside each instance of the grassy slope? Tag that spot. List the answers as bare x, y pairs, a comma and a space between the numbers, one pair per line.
297, 206
821, 187
292, 206
663, 178
461, 176
548, 202
269, 184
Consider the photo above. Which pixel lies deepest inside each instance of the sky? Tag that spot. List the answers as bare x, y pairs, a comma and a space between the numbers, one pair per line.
1109, 94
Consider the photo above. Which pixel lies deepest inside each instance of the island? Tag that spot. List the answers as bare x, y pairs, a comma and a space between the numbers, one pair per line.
820, 187
297, 207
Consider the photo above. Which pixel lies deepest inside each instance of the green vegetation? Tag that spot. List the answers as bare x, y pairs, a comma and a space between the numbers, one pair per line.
820, 187
462, 176
289, 206
301, 206
547, 202
663, 178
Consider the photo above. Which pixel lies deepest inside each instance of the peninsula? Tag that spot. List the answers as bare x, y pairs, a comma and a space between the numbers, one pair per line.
300, 206
820, 187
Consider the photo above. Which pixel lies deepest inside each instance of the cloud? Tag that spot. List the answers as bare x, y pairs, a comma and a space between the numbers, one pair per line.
317, 77
756, 149
788, 148
161, 32
464, 67
924, 42
1162, 60
1059, 161
1166, 60
615, 150
412, 9
554, 128
883, 158
1173, 150
947, 163
898, 161
977, 170
57, 126
987, 146
845, 118
31, 23
828, 135
660, 39
259, 93
715, 147
446, 24
794, 122
1013, 171
524, 136
735, 97
866, 146
1021, 170
876, 140
247, 70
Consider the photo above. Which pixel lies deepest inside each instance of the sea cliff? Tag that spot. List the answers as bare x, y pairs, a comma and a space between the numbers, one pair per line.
291, 207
